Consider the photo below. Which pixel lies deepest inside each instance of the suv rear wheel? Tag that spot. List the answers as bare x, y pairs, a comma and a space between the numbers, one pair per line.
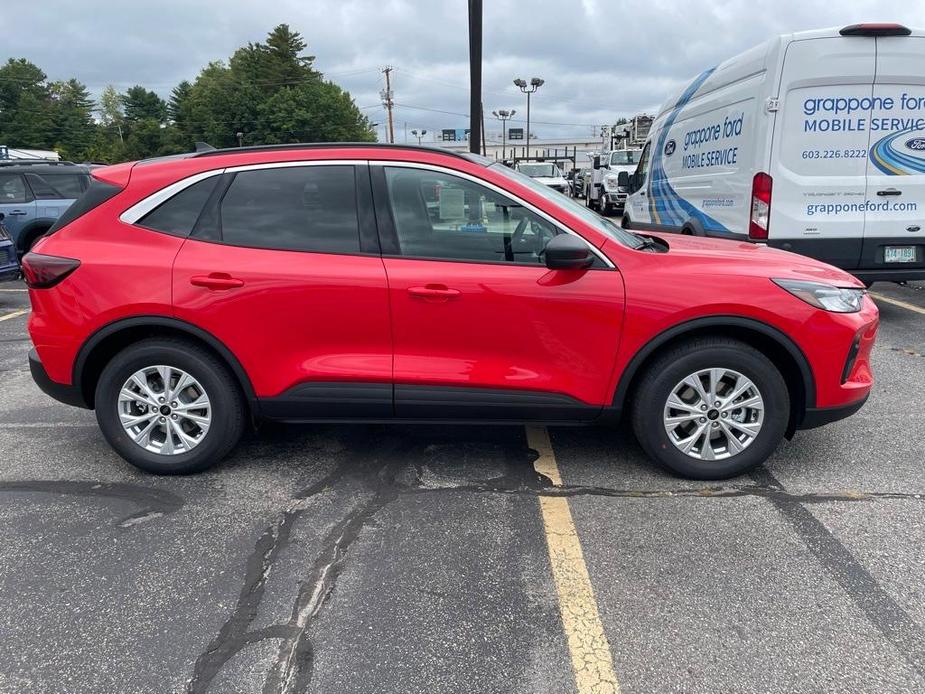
169, 407
711, 408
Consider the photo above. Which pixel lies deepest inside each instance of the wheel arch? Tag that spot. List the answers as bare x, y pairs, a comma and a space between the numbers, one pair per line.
96, 351
31, 232
774, 344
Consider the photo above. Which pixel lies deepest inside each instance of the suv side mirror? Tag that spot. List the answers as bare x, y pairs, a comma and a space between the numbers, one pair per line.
597, 162
568, 252
623, 179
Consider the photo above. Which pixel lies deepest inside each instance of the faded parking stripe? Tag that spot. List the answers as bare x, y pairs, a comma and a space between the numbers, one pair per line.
592, 661
897, 302
14, 314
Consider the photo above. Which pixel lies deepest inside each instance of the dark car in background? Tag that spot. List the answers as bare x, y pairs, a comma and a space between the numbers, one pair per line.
9, 263
34, 193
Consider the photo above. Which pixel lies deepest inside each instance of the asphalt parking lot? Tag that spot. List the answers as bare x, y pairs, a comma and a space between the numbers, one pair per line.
439, 559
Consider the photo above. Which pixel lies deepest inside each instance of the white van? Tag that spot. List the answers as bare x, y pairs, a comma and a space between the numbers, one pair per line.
812, 142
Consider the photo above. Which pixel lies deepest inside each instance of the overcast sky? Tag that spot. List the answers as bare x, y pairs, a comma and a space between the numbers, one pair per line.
601, 59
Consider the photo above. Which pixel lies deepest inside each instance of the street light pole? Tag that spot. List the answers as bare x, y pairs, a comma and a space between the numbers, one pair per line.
535, 83
419, 134
503, 116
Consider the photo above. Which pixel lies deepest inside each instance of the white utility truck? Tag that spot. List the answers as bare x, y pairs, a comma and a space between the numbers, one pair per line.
812, 142
603, 191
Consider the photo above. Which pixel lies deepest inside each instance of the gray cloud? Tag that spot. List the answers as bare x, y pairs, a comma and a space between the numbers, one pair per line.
600, 59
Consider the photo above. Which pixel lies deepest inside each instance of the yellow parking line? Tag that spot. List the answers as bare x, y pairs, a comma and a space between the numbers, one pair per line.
592, 662
897, 302
14, 314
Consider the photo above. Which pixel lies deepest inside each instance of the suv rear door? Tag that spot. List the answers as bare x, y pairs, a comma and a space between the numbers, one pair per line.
283, 267
894, 235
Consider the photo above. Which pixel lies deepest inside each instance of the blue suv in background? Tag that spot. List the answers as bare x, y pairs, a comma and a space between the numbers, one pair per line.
9, 263
33, 194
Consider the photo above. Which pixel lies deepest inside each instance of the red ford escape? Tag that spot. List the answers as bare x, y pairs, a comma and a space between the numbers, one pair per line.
184, 297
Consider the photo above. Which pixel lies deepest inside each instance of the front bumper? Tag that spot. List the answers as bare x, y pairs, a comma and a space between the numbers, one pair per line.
62, 392
820, 416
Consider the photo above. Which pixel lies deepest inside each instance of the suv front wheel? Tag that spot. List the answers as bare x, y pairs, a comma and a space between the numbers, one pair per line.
711, 408
168, 406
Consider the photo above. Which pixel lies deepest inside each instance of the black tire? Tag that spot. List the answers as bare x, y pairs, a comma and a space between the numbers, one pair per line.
625, 222
227, 404
676, 364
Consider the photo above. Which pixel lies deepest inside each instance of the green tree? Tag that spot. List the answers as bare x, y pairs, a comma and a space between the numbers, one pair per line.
271, 93
72, 117
142, 104
26, 109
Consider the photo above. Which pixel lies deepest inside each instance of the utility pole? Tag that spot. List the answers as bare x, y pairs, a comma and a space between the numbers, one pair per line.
388, 101
475, 74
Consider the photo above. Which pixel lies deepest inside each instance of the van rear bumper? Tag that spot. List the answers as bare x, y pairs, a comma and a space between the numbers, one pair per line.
862, 257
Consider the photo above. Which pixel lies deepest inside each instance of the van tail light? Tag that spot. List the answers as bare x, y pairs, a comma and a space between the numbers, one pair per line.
875, 29
44, 271
761, 207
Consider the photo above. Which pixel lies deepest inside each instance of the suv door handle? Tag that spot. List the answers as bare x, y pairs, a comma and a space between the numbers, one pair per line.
17, 213
216, 280
434, 292
889, 191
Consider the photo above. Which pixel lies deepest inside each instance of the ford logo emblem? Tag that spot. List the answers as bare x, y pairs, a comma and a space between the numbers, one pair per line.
670, 147
916, 144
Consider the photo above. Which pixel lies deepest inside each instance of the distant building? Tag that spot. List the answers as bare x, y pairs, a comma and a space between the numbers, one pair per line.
582, 148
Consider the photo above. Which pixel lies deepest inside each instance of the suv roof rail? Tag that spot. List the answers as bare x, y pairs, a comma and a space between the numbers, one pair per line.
33, 162
320, 145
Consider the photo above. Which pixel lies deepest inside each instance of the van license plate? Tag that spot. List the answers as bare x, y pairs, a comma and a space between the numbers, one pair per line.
899, 254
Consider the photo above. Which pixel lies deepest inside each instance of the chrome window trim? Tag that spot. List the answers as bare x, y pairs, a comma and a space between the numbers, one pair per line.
501, 191
134, 213
146, 205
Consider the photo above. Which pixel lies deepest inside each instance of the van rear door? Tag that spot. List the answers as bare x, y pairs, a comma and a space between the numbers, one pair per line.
894, 235
819, 151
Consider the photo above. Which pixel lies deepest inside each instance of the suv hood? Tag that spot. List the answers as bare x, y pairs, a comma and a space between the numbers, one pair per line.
746, 258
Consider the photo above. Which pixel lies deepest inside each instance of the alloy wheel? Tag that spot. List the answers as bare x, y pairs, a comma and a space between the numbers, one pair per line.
714, 414
164, 410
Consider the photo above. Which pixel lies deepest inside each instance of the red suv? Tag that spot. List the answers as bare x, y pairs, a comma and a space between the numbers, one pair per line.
186, 296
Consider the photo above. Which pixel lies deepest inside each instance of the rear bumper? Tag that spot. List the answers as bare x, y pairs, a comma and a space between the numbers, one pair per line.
889, 275
820, 416
68, 394
862, 257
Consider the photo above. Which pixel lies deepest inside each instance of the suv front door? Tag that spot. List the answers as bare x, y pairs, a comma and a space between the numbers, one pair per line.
481, 328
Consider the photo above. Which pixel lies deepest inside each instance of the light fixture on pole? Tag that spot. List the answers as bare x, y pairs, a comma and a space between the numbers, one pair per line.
419, 134
528, 89
503, 116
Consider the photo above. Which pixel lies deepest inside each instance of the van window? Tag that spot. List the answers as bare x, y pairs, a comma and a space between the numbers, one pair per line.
641, 167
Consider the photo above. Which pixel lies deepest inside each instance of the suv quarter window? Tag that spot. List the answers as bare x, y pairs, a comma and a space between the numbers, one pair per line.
13, 189
297, 208
440, 216
178, 214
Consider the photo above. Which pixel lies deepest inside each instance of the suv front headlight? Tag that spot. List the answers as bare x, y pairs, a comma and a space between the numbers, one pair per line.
825, 296
4, 234
610, 182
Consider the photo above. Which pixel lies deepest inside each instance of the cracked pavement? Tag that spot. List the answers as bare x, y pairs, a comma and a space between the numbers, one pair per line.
340, 558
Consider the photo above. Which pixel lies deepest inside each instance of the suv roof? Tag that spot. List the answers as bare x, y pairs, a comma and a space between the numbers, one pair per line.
338, 145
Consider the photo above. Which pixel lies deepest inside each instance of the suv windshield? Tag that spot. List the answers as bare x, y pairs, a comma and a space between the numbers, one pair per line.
591, 218
539, 170
626, 156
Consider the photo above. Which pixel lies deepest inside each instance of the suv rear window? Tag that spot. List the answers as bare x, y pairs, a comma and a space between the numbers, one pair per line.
58, 186
299, 208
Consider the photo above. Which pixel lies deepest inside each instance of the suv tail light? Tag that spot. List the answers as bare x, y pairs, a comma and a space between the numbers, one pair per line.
761, 207
44, 271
